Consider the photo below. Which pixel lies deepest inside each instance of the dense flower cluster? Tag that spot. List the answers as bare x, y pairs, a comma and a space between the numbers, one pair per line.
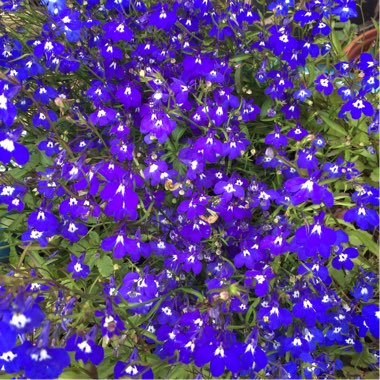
181, 192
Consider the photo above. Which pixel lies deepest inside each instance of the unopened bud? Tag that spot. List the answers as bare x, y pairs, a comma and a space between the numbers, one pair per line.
224, 295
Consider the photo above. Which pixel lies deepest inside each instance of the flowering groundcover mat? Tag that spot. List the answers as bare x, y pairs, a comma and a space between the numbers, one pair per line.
188, 189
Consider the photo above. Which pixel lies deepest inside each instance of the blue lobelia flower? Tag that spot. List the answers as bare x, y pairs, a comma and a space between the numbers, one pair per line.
303, 189
313, 239
220, 356
77, 268
254, 358
162, 17
345, 9
85, 348
371, 314
272, 316
357, 106
7, 337
8, 111
364, 217
41, 361
25, 314
117, 31
343, 259
121, 200
131, 369
304, 17
55, 6
228, 190
323, 84
11, 149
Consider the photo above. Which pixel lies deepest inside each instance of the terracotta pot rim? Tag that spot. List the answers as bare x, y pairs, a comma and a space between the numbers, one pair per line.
361, 44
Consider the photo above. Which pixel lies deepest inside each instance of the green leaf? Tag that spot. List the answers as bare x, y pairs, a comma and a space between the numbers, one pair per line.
181, 371
360, 139
363, 359
94, 238
332, 124
74, 373
336, 43
311, 70
338, 276
265, 107
375, 175
240, 58
178, 133
371, 375
105, 266
238, 78
105, 368
251, 311
366, 239
351, 372
360, 260
193, 292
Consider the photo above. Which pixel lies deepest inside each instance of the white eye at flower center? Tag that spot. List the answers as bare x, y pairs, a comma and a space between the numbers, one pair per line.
264, 195
219, 111
43, 355
7, 190
121, 189
297, 342
85, 347
308, 185
317, 229
119, 240
35, 234
229, 188
109, 319
78, 268
219, 352
343, 257
358, 104
8, 356
274, 310
72, 228
260, 279
7, 144
246, 253
307, 304
120, 28
48, 46
324, 82
167, 310
190, 345
19, 320
41, 215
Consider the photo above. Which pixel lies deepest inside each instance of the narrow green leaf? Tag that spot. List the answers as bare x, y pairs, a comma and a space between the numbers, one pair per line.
240, 58
332, 124
366, 240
